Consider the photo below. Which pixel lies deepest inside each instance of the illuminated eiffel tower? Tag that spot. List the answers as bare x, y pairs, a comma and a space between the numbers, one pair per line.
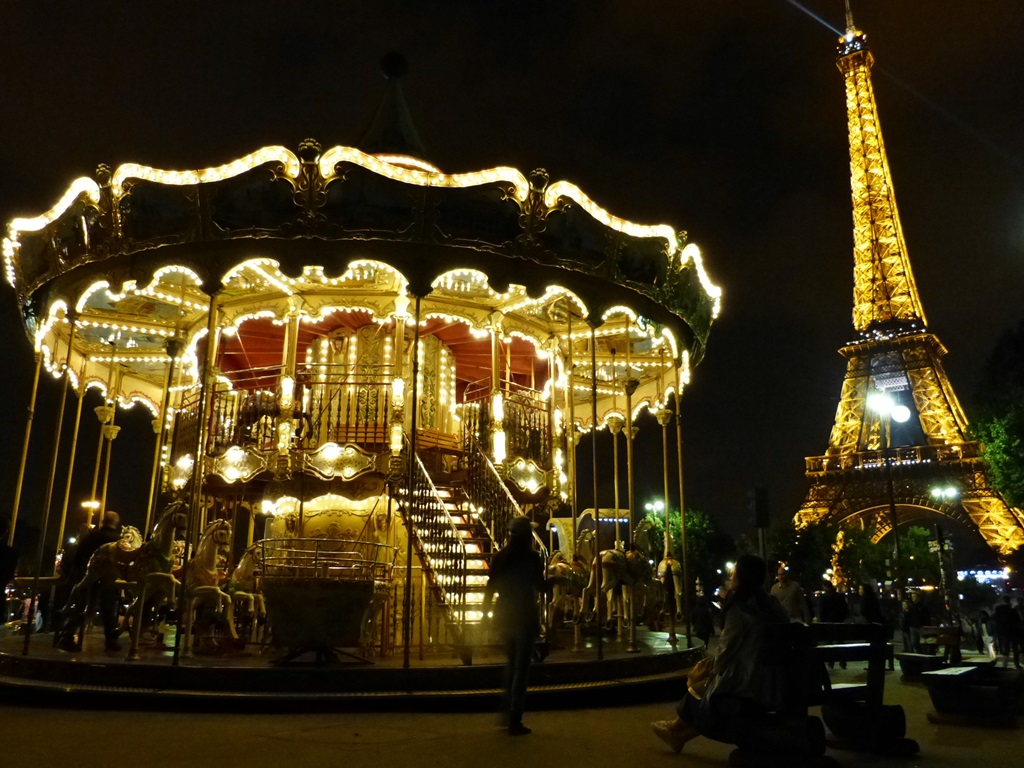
882, 470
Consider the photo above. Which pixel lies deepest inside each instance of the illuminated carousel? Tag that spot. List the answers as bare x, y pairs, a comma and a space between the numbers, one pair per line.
359, 369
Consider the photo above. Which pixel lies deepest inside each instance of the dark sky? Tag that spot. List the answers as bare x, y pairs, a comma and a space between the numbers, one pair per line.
725, 118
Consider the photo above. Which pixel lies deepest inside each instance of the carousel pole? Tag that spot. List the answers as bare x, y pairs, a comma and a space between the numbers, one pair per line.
71, 458
104, 413
593, 459
109, 432
205, 388
615, 422
173, 346
570, 446
570, 397
630, 387
50, 482
664, 417
24, 448
682, 507
410, 499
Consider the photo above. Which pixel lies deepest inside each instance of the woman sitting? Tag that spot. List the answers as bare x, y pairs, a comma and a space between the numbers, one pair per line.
733, 684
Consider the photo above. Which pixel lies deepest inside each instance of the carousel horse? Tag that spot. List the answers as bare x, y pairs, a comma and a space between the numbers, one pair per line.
626, 577
669, 567
241, 585
133, 561
202, 580
567, 577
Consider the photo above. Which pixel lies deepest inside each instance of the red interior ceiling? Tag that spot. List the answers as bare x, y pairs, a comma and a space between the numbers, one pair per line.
259, 344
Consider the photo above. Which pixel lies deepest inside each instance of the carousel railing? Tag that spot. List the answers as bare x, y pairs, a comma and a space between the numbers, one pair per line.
488, 493
436, 537
527, 421
330, 403
186, 425
344, 560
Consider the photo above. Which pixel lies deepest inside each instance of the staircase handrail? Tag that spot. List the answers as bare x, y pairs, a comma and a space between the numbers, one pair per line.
498, 527
453, 556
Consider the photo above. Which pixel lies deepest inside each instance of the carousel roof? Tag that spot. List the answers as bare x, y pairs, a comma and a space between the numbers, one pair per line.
129, 226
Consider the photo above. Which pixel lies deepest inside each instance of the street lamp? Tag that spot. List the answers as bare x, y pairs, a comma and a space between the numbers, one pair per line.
889, 411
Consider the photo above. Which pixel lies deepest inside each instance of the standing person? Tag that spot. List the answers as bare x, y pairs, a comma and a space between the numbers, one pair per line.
870, 608
918, 616
109, 531
703, 617
1007, 622
8, 558
736, 681
791, 595
8, 567
833, 610
517, 577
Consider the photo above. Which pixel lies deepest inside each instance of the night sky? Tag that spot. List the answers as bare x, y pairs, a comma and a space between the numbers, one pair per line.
725, 118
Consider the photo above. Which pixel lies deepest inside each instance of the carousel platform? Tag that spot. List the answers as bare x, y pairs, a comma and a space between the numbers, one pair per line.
255, 678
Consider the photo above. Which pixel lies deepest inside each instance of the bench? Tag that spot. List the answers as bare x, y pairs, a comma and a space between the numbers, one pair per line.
796, 654
975, 695
856, 714
946, 637
913, 665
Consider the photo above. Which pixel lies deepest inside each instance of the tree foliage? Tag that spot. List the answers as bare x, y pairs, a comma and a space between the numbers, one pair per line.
998, 419
812, 551
707, 546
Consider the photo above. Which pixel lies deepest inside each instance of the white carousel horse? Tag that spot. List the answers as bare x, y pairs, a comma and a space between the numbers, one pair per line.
670, 567
202, 580
242, 587
626, 577
145, 564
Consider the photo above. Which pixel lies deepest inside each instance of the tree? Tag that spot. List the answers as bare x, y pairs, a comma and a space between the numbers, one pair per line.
707, 546
998, 420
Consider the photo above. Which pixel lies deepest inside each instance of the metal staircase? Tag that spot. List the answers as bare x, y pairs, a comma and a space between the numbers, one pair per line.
450, 548
455, 529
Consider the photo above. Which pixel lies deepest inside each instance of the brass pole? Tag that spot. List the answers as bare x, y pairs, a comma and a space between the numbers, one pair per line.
593, 457
615, 426
109, 431
664, 417
103, 415
570, 444
24, 449
630, 387
205, 386
50, 482
682, 507
71, 459
411, 496
173, 347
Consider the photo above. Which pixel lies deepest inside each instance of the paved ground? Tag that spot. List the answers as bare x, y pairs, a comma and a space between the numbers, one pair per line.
31, 734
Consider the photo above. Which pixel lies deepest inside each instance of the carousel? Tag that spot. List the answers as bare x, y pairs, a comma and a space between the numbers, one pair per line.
359, 369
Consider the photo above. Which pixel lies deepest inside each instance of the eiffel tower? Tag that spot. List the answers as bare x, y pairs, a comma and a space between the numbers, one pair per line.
878, 472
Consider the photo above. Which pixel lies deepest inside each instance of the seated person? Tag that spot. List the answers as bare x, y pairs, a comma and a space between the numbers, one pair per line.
736, 685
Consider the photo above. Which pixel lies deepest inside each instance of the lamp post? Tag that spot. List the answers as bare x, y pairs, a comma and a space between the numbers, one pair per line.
889, 411
943, 547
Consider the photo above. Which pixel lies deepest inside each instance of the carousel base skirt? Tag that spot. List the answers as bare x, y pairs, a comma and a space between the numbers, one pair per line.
263, 676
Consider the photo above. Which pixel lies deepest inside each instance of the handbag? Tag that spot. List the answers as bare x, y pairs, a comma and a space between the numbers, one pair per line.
699, 676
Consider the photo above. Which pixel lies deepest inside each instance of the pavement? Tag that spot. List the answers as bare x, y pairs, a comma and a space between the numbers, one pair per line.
50, 731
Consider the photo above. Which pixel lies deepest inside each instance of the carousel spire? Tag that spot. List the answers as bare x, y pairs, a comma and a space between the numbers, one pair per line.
392, 131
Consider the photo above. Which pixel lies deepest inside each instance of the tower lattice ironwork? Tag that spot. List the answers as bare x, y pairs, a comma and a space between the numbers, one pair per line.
874, 465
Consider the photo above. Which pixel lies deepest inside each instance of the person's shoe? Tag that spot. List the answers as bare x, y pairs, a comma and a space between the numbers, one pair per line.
69, 645
518, 729
113, 645
675, 738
